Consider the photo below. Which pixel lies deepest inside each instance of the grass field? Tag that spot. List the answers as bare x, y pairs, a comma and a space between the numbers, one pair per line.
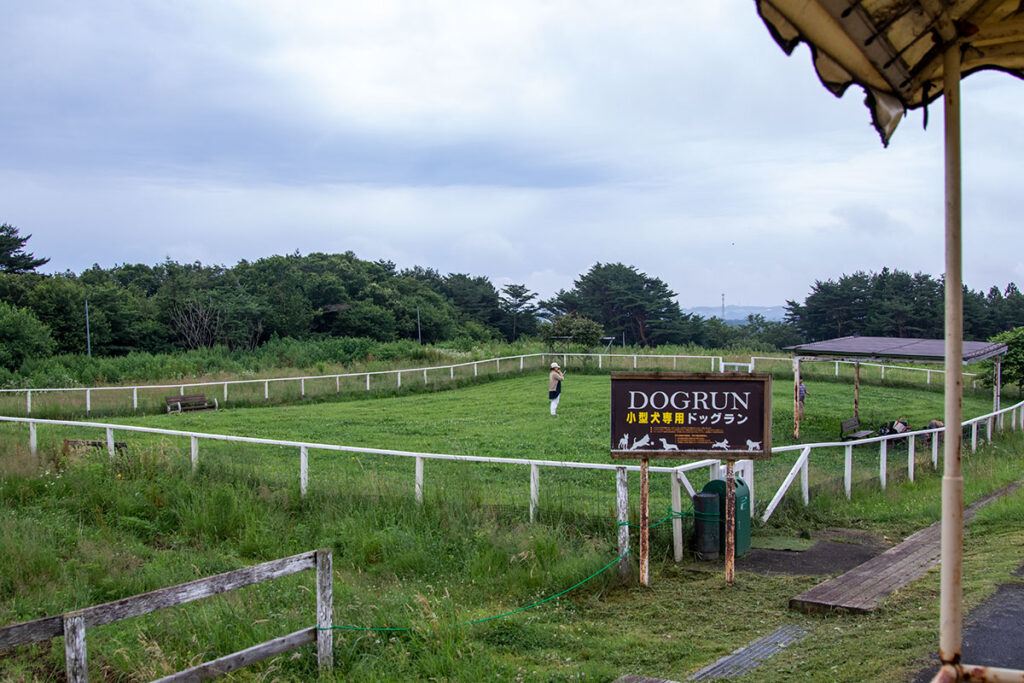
79, 529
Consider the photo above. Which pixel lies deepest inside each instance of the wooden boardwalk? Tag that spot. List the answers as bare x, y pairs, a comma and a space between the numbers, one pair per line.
863, 588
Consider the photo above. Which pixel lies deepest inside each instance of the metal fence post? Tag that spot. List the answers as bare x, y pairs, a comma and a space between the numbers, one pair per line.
110, 443
195, 452
225, 392
805, 488
32, 438
324, 610
28, 402
88, 401
266, 391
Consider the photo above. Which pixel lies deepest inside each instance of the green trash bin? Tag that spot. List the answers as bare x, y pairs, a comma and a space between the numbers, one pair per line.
742, 535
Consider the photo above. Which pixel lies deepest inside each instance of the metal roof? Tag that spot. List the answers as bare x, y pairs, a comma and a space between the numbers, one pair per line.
895, 348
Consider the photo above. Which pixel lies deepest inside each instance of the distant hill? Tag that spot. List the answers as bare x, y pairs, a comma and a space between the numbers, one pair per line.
737, 315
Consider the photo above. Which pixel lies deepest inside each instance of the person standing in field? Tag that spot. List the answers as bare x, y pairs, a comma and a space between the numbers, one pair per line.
555, 386
801, 397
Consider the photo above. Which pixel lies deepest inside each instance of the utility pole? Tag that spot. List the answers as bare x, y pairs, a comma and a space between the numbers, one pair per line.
88, 338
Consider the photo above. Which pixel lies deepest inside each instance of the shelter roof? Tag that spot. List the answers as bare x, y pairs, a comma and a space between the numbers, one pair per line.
893, 48
894, 348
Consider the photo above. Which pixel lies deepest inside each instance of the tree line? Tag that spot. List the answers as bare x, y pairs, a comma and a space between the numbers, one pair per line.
172, 306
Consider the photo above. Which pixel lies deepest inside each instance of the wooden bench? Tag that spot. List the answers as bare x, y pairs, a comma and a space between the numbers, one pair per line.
79, 444
850, 429
177, 404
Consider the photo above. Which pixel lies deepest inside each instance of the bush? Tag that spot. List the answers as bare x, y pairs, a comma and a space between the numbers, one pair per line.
22, 336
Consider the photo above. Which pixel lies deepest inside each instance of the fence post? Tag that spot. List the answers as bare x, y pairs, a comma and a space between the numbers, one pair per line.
28, 402
195, 452
303, 470
266, 391
419, 480
974, 437
399, 374
677, 521
883, 372
534, 491
521, 358
935, 450
599, 359
75, 663
337, 384
883, 457
88, 401
988, 429
475, 370
634, 362
181, 390
302, 386
929, 379
805, 489
367, 381
848, 471
837, 368
324, 609
622, 505
110, 443
911, 453
225, 392
32, 438
135, 398
424, 377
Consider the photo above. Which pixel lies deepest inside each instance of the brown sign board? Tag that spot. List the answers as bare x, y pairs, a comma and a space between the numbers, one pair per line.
691, 415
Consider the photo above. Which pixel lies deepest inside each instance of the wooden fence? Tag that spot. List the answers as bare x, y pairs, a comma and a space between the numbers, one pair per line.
72, 625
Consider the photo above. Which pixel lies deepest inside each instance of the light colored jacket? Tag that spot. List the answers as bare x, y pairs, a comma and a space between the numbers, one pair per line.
554, 378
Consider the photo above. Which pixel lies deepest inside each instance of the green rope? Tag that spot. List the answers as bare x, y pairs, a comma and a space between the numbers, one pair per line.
480, 621
675, 514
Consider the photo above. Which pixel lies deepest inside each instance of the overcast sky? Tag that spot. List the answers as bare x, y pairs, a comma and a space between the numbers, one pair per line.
524, 141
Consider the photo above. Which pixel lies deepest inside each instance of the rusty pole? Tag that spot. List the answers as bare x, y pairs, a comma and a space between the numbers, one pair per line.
645, 521
856, 389
796, 398
730, 524
950, 611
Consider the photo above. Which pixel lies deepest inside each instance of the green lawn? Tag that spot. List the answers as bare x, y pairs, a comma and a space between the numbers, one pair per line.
80, 530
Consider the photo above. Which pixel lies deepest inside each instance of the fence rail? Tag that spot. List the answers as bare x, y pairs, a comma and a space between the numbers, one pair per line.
72, 625
436, 373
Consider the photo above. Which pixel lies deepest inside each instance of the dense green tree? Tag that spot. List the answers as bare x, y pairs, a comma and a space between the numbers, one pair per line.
519, 311
571, 329
13, 257
625, 301
22, 336
1012, 369
475, 298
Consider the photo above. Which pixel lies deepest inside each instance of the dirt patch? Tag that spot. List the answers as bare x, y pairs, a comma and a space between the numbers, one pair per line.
835, 551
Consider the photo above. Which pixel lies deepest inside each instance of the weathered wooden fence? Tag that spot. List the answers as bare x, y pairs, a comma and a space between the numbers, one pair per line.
73, 625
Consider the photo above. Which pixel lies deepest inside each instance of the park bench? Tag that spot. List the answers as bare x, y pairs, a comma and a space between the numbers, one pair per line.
177, 404
80, 444
850, 429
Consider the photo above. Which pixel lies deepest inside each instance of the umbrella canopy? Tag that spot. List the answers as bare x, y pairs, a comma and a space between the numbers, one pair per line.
893, 48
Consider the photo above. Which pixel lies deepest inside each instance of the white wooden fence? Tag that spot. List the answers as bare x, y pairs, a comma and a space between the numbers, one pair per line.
992, 421
392, 379
677, 479
72, 625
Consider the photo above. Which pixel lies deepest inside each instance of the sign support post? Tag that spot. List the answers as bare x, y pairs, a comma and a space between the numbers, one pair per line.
645, 523
730, 523
675, 415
